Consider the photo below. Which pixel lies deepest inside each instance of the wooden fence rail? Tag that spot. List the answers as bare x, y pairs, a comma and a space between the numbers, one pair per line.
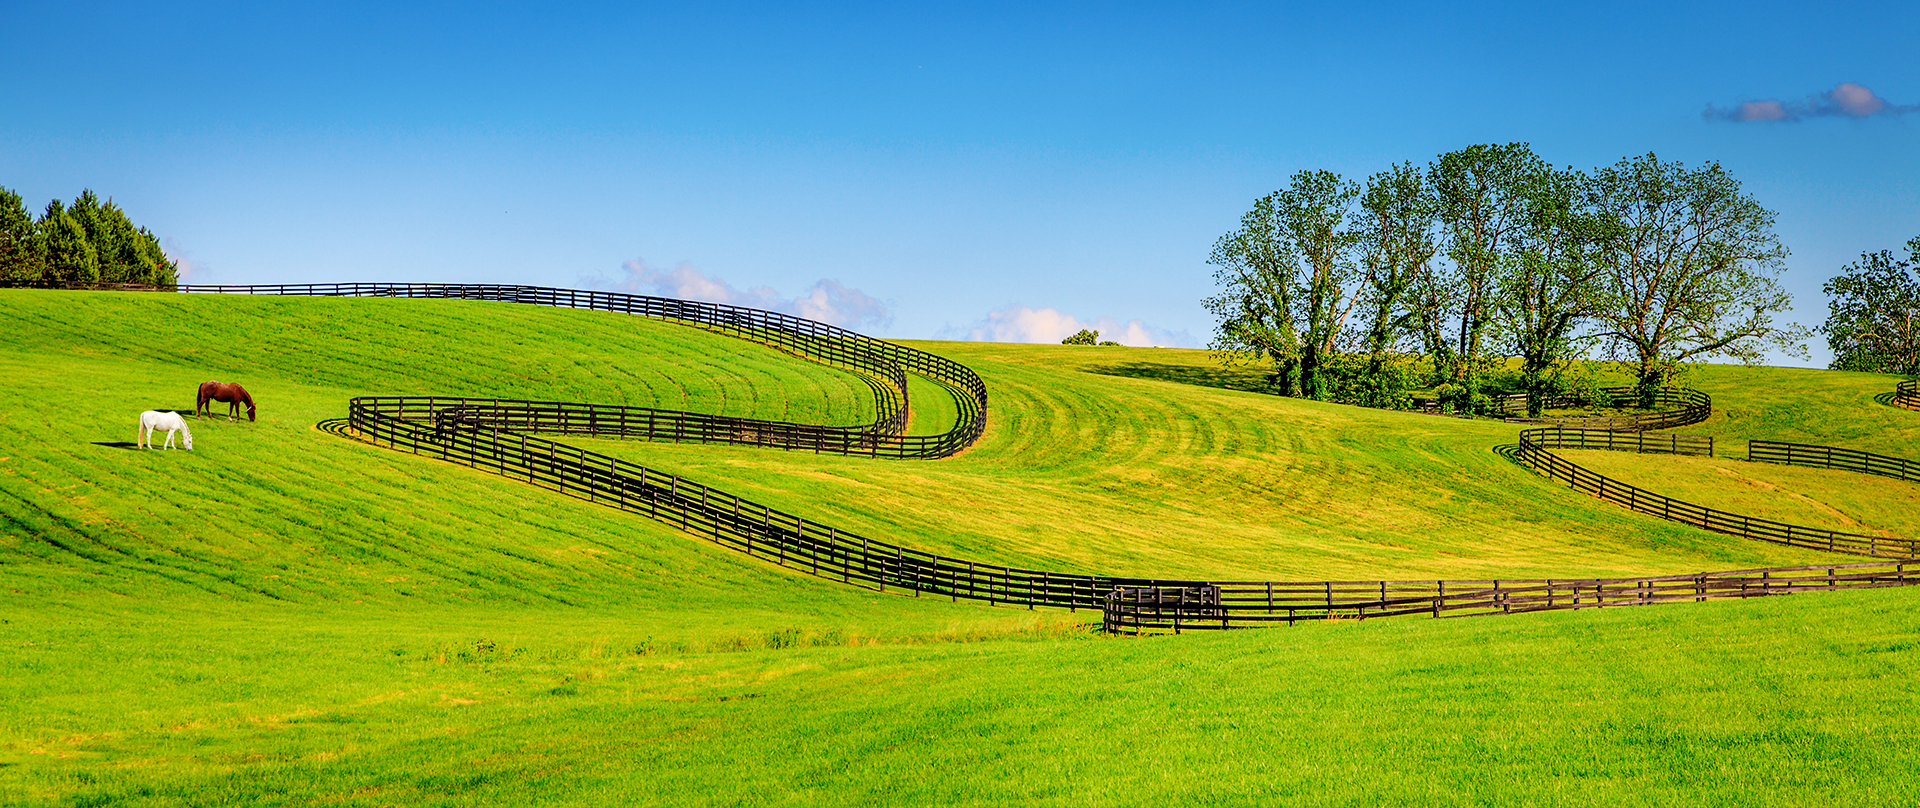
1535, 451
1213, 607
502, 436
1907, 394
1673, 407
883, 364
1833, 457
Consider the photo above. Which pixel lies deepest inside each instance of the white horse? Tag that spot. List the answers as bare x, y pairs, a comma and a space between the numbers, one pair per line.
169, 421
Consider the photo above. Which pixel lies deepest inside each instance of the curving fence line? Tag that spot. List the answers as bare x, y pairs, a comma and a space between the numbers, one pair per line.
1232, 605
491, 435
1907, 394
1535, 451
883, 363
1674, 407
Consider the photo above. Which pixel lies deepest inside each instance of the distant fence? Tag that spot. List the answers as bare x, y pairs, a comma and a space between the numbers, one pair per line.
1833, 457
1907, 394
490, 435
1535, 450
878, 359
1673, 407
1213, 607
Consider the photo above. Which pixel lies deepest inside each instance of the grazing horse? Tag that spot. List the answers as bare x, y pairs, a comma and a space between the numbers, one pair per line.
169, 421
233, 395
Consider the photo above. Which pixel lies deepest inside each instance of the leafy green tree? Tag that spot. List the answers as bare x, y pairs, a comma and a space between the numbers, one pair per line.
1254, 267
1396, 248
1550, 285
20, 244
1873, 319
1085, 337
1691, 269
1481, 204
1285, 273
70, 258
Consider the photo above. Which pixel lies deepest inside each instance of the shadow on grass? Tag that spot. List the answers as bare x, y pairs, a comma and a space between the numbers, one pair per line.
1246, 380
117, 444
339, 428
1889, 399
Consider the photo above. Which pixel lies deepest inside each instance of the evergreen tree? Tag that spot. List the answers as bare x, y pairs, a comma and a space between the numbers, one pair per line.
89, 241
20, 244
70, 258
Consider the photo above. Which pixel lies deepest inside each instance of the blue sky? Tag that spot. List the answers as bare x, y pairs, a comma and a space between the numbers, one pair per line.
921, 171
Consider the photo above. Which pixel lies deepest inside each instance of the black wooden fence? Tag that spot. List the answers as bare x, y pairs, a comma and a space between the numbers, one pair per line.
1535, 450
1833, 457
1907, 394
491, 435
1218, 606
1673, 407
879, 360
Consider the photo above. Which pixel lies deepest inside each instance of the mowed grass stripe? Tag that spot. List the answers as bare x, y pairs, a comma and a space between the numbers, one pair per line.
451, 637
418, 347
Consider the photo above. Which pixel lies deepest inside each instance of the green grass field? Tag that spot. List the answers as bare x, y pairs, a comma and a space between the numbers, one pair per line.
1824, 498
284, 616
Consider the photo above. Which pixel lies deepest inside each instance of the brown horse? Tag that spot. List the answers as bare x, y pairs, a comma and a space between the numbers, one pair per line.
232, 394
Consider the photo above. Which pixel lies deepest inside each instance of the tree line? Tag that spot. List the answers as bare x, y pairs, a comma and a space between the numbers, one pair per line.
89, 241
1435, 276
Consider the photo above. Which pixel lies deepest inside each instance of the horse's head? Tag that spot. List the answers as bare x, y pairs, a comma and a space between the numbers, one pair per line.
186, 436
249, 409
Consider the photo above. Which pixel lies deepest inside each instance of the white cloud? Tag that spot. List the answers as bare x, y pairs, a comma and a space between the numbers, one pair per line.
826, 300
1846, 99
187, 270
1050, 325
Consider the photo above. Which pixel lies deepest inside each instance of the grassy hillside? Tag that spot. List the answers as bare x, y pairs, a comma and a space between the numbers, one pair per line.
288, 616
1824, 498
1104, 460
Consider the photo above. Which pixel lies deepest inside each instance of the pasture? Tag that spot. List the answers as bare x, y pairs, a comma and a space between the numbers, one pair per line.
288, 616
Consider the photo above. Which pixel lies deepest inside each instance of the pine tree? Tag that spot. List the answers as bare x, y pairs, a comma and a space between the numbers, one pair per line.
70, 256
21, 248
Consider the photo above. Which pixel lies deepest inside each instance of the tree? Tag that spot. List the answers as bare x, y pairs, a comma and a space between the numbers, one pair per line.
1481, 204
1396, 246
125, 254
1254, 268
1285, 273
1085, 337
1549, 287
89, 241
1873, 319
20, 245
1690, 272
70, 258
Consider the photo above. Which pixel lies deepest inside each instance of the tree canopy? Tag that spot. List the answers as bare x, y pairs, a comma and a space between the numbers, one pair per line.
1873, 319
89, 241
1490, 252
